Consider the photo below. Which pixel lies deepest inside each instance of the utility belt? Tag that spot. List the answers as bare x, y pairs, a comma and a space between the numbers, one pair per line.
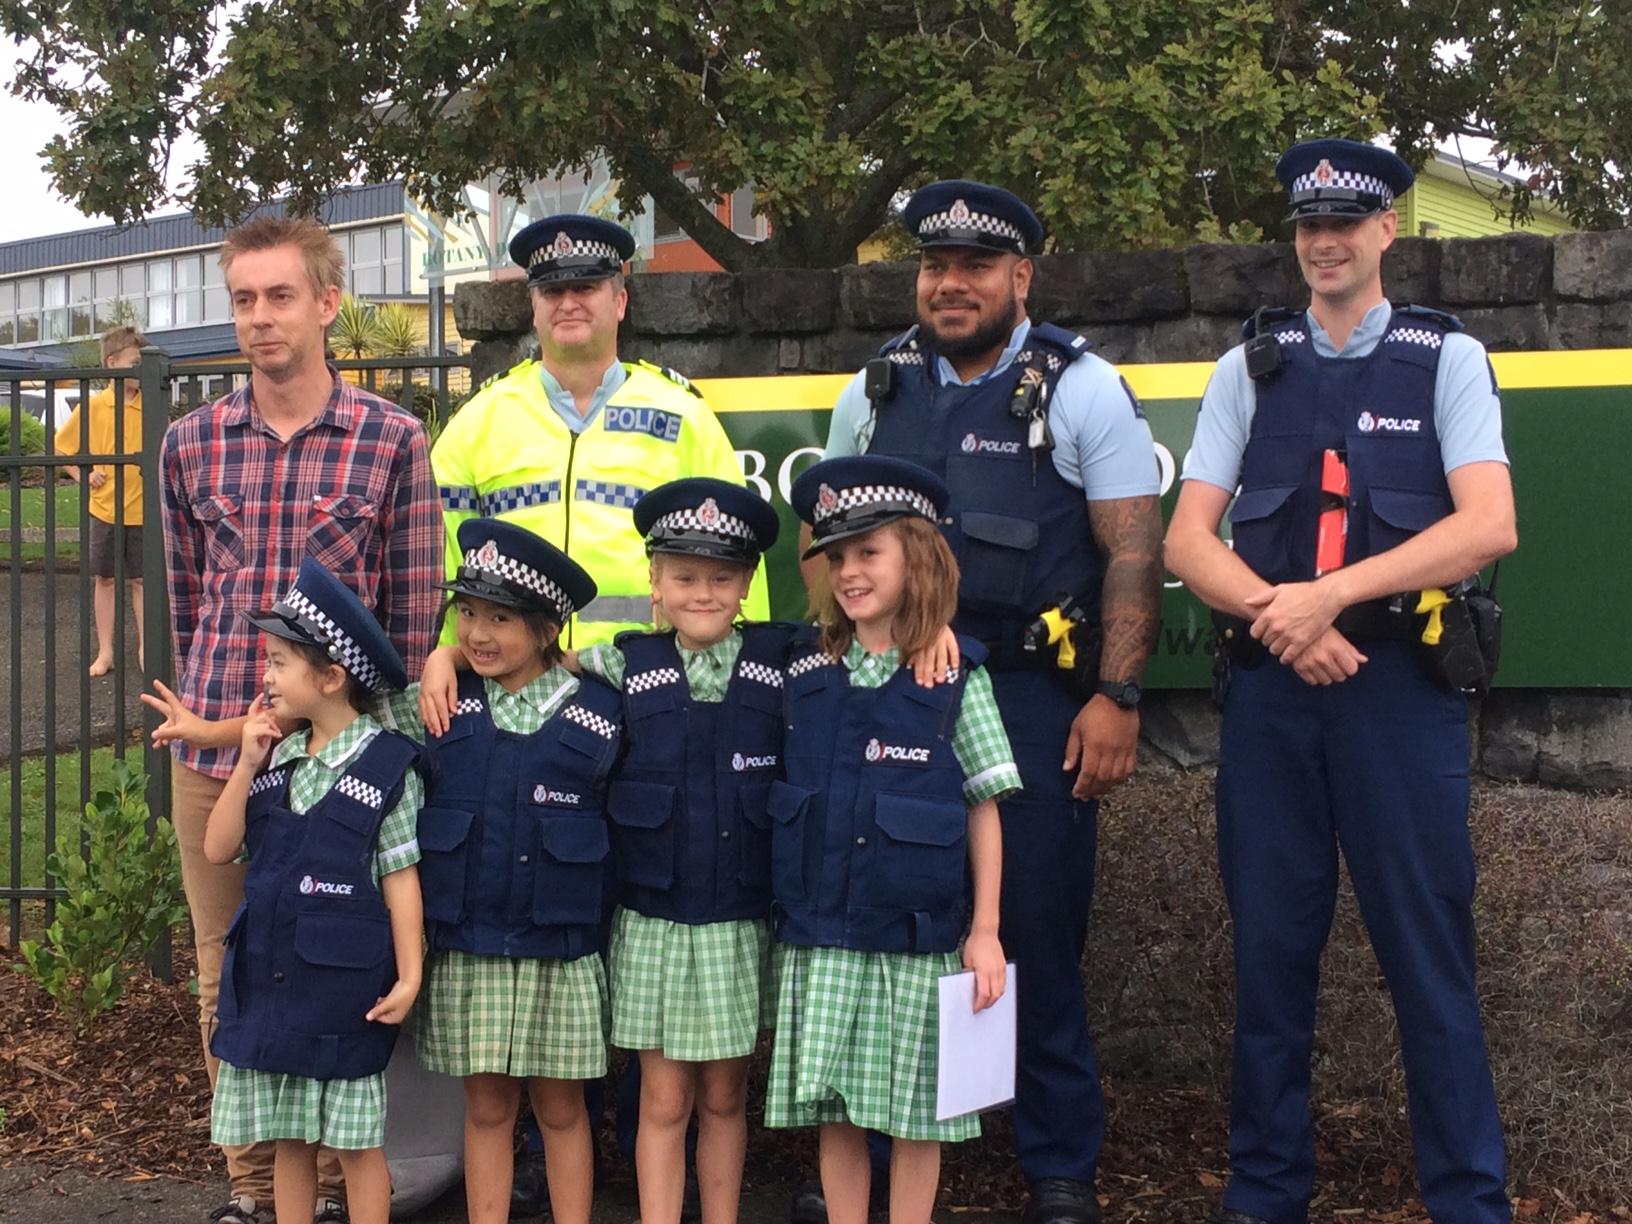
1064, 639
1458, 631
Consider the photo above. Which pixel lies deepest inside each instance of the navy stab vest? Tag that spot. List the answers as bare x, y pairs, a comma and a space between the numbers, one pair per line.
688, 802
869, 832
513, 840
309, 951
1020, 532
1378, 410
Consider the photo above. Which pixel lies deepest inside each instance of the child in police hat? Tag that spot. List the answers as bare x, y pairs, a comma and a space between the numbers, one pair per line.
703, 717
890, 790
515, 867
324, 959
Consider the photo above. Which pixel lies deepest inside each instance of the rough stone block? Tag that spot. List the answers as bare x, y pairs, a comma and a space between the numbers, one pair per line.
1509, 328
490, 357
1183, 726
1109, 287
1575, 738
1585, 325
1411, 271
1122, 343
789, 299
1197, 338
705, 357
842, 350
879, 295
492, 310
1498, 271
789, 355
1593, 267
1236, 280
682, 304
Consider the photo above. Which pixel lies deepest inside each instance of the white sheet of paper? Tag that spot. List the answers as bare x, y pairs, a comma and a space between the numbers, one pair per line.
976, 1067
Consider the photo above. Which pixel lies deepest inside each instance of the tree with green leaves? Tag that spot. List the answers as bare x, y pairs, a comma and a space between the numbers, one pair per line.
1127, 124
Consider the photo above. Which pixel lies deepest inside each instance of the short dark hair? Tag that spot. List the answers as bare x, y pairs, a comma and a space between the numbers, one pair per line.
358, 695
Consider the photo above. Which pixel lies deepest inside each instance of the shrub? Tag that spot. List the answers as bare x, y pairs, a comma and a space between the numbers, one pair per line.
120, 901
31, 436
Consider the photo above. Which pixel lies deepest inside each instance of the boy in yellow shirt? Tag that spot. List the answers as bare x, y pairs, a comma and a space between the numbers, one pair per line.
121, 348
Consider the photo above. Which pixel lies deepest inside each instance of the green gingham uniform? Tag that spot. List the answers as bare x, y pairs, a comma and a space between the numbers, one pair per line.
857, 1032
503, 1015
696, 992
251, 1106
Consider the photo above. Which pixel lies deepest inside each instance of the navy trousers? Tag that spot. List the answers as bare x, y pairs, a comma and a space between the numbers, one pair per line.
1376, 766
1049, 844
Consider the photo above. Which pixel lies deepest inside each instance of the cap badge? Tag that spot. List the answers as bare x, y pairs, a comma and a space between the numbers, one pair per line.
826, 498
1323, 173
562, 244
708, 514
958, 214
488, 556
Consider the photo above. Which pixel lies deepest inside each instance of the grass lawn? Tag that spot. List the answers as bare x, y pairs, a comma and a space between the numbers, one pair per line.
67, 495
70, 806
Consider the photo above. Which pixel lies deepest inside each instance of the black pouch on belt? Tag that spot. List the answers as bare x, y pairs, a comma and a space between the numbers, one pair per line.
1456, 658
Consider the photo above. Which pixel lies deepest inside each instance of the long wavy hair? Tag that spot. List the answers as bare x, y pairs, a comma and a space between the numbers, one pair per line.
928, 600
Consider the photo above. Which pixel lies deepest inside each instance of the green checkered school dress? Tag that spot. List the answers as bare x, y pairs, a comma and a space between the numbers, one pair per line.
252, 1106
856, 1032
501, 1015
695, 992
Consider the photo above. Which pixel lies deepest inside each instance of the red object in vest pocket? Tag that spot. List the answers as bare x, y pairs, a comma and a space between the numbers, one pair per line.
1332, 528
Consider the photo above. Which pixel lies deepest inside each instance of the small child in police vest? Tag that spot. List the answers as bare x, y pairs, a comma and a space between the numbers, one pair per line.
324, 959
889, 789
515, 845
702, 701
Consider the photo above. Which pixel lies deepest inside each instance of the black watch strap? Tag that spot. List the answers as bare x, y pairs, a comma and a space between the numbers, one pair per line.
1125, 693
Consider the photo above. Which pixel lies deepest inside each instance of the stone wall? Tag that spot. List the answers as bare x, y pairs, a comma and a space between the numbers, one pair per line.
1516, 291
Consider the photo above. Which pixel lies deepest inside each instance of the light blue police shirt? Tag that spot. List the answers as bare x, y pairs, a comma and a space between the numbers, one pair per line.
566, 408
1102, 445
1467, 407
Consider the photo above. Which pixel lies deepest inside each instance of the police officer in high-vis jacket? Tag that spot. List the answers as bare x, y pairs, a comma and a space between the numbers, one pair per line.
1365, 441
1056, 528
567, 444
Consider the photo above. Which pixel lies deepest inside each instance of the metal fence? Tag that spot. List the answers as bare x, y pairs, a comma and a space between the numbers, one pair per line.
63, 725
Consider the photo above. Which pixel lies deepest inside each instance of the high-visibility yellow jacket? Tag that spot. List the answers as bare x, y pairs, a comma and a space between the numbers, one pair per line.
508, 454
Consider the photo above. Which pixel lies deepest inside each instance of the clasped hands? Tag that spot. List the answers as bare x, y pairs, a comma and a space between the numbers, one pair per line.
1294, 622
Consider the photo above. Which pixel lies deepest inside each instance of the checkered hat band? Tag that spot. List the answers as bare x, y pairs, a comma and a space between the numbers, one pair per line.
517, 573
859, 497
1344, 180
581, 249
343, 648
688, 520
936, 224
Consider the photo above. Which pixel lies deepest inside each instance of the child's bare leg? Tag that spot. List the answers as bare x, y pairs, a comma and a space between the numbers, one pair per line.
491, 1104
915, 1173
102, 609
667, 1089
294, 1181
368, 1185
141, 629
722, 1137
846, 1174
569, 1159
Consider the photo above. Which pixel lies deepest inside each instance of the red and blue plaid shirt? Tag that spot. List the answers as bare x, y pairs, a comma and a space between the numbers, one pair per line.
243, 506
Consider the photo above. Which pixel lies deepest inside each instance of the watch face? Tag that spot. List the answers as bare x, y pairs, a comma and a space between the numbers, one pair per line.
1125, 693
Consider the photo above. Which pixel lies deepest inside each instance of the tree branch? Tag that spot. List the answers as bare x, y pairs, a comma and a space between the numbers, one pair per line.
655, 177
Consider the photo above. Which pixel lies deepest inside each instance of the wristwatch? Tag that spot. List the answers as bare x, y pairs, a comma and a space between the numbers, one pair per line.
1125, 693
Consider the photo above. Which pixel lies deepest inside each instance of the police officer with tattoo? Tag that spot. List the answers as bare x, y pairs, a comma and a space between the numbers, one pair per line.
1366, 442
1055, 524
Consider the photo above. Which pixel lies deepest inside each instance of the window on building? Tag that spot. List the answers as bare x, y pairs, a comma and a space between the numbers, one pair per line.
80, 322
189, 278
105, 296
28, 310
375, 263
743, 220
8, 312
159, 303
54, 326
217, 306
664, 227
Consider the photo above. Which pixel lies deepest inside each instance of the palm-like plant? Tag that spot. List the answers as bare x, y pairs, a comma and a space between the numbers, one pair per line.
355, 332
397, 331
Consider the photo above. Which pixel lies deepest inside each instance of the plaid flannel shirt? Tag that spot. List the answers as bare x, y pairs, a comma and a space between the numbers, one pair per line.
242, 507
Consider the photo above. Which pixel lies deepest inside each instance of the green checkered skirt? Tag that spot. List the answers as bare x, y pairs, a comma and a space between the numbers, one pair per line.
857, 1041
507, 1016
254, 1106
697, 993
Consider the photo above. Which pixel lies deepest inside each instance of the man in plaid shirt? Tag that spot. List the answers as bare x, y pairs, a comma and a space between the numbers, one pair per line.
297, 463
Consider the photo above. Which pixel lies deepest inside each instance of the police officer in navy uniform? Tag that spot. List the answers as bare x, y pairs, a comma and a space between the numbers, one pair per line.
1339, 730
1053, 483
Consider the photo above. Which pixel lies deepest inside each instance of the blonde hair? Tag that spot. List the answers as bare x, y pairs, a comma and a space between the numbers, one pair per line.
928, 600
658, 559
325, 267
117, 339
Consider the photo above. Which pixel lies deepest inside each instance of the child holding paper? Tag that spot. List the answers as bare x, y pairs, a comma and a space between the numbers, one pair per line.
889, 788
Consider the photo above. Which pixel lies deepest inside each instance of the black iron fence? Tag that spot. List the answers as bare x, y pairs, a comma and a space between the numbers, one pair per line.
64, 726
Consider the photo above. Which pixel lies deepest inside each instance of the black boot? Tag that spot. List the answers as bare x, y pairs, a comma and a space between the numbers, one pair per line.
1062, 1200
529, 1189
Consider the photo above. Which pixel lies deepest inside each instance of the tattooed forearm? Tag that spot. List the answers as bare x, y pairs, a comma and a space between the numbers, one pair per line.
1129, 531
